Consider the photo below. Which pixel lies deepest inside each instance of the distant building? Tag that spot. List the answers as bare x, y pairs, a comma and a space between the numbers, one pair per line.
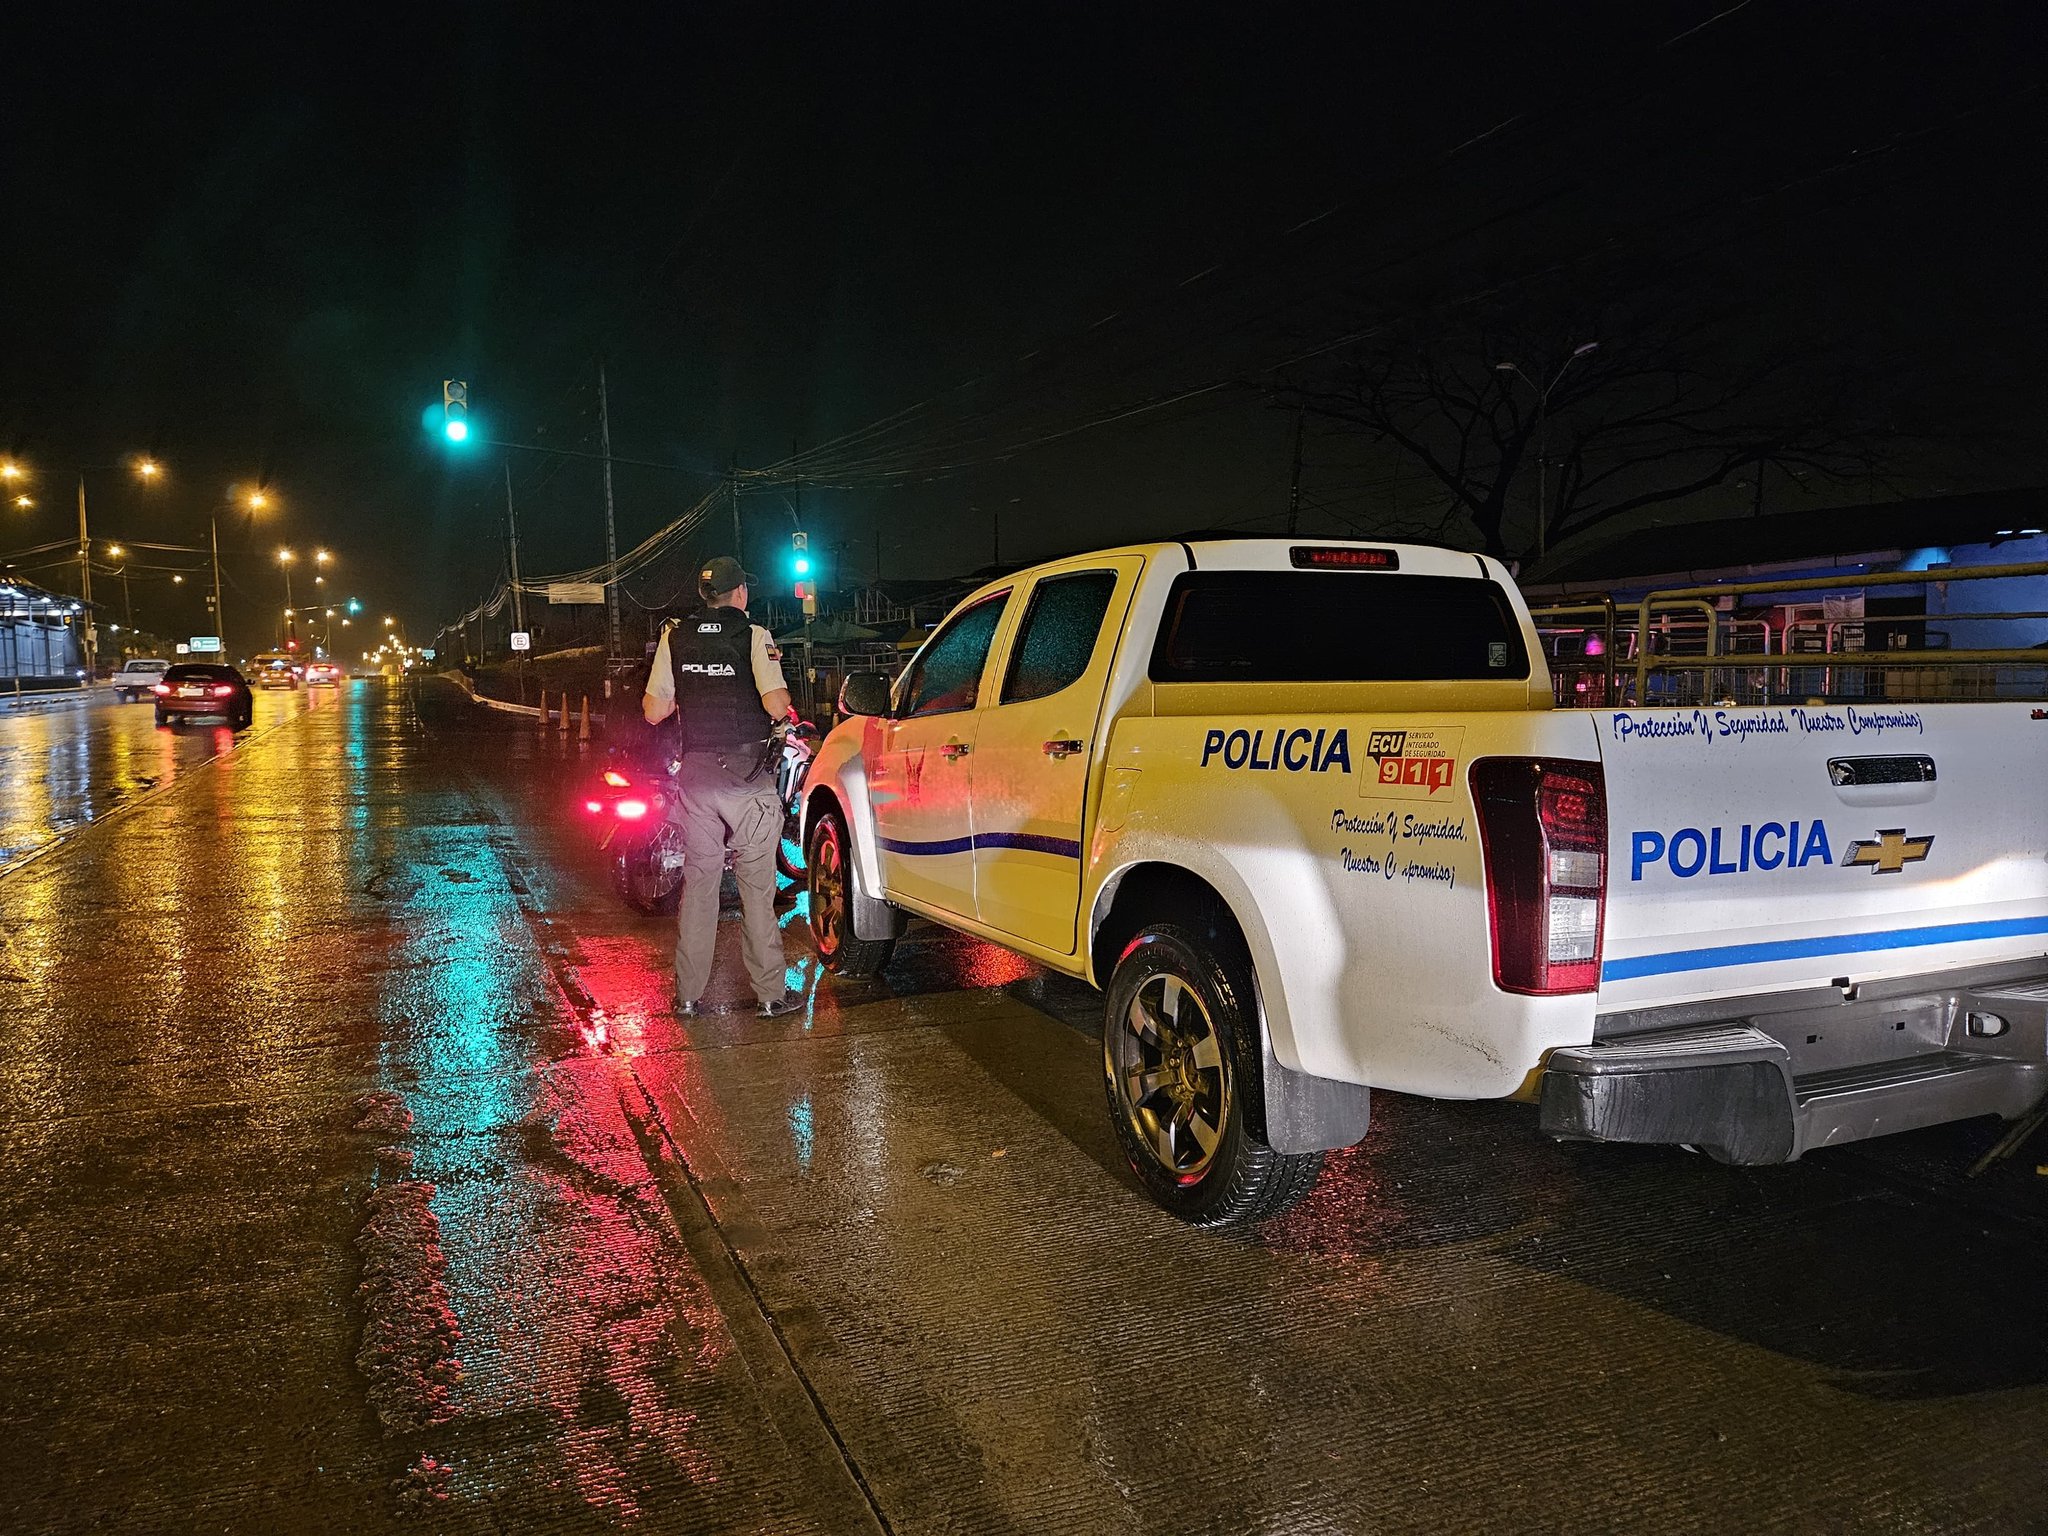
39, 635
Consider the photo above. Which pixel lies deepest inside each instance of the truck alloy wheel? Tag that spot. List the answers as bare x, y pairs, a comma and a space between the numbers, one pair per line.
831, 905
1172, 1076
1180, 1062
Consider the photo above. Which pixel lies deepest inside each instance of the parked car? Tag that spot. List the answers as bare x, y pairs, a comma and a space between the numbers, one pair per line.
194, 690
138, 675
274, 669
1311, 818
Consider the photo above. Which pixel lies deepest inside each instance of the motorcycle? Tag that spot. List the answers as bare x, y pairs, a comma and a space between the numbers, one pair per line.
643, 832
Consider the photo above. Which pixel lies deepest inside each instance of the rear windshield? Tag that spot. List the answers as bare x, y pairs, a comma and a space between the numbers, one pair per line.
1335, 626
199, 672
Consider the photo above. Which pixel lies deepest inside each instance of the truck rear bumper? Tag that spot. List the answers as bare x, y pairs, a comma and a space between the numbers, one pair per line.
1768, 1088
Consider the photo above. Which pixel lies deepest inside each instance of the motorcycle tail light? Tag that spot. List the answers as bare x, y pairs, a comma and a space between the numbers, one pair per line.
595, 807
630, 810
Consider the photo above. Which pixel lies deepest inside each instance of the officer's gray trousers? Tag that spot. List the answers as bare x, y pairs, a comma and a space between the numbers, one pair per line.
723, 808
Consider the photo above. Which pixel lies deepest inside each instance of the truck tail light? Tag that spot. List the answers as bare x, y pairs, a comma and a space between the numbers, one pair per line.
1543, 828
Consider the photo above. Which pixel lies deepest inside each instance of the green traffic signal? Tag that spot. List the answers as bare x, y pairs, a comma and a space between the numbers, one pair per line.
451, 422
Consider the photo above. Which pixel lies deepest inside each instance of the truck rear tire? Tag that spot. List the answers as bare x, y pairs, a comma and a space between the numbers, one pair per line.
1180, 1053
830, 875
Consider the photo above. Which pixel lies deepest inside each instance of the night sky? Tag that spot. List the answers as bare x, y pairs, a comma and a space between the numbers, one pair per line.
254, 242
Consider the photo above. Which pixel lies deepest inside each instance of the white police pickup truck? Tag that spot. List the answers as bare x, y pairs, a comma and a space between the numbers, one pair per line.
1308, 817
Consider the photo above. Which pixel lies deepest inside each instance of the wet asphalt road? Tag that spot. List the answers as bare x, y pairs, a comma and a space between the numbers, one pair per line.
69, 759
355, 1176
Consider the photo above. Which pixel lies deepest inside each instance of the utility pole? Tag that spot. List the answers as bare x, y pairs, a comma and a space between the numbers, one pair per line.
88, 632
1294, 493
219, 624
518, 592
732, 487
512, 534
611, 536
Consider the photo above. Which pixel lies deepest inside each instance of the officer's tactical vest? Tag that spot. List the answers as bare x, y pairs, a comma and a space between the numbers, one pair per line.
712, 655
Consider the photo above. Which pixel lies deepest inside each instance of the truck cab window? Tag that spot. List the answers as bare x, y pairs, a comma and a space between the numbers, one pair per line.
947, 677
1058, 636
1338, 626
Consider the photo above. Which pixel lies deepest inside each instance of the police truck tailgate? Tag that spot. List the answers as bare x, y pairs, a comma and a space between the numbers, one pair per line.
1763, 850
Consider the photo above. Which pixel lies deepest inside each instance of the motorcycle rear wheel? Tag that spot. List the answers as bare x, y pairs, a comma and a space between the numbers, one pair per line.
644, 881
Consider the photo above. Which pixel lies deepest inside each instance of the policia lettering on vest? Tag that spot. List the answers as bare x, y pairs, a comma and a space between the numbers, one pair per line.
723, 676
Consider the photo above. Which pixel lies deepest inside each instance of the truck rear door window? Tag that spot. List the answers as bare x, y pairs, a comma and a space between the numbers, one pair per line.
1335, 627
1058, 636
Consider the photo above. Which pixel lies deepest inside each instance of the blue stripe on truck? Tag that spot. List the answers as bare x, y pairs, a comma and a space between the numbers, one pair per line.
1031, 842
1805, 949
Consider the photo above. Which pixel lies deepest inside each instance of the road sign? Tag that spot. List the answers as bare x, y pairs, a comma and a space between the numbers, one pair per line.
206, 642
184, 649
521, 640
564, 592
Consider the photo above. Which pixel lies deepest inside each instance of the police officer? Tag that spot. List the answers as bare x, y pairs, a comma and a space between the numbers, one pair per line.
723, 676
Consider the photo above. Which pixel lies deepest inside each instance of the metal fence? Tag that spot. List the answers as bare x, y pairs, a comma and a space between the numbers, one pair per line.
1712, 645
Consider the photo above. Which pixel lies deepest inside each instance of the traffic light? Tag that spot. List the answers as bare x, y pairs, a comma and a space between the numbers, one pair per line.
800, 565
455, 410
354, 606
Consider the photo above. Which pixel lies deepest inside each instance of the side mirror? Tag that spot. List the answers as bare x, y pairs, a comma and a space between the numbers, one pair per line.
864, 693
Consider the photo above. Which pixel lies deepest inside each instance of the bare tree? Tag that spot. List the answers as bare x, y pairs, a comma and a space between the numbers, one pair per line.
1611, 418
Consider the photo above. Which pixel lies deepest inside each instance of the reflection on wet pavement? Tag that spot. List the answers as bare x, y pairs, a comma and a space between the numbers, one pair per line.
359, 1175
72, 761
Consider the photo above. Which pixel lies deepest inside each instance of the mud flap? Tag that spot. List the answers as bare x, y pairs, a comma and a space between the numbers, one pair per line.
1309, 1114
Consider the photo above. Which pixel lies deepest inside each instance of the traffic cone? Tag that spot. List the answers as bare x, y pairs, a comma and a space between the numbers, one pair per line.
583, 720
543, 709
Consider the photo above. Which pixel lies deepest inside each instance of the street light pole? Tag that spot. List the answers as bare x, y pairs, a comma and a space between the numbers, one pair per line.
284, 558
1543, 437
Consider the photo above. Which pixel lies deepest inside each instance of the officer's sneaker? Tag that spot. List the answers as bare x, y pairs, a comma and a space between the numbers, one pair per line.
789, 1002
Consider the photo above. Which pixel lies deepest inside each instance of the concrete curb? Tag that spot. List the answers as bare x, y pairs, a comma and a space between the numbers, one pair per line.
527, 711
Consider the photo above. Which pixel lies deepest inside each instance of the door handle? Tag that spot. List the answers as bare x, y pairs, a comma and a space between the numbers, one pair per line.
953, 751
1062, 747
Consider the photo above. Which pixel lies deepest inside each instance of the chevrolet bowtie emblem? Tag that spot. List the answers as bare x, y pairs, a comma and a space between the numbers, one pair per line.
1889, 852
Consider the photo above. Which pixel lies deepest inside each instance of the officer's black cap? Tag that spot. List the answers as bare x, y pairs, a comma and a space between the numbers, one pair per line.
721, 575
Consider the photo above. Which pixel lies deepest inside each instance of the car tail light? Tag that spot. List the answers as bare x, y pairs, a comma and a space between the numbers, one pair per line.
223, 690
1543, 827
159, 687
616, 779
630, 810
